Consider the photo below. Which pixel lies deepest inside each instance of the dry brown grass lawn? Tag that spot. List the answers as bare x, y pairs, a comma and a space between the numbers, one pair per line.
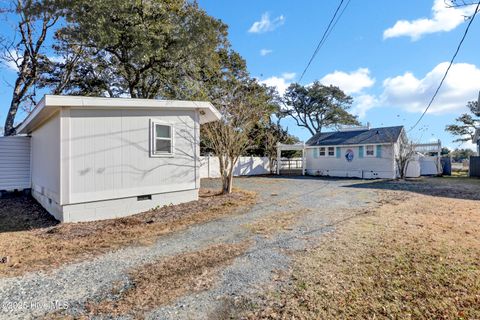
417, 257
48, 247
161, 282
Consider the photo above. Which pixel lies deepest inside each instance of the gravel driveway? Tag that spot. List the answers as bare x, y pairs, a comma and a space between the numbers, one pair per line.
321, 202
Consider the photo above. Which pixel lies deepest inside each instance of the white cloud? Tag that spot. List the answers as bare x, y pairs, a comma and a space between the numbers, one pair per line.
353, 82
265, 52
413, 94
466, 145
57, 59
443, 19
9, 61
280, 83
362, 103
265, 24
289, 75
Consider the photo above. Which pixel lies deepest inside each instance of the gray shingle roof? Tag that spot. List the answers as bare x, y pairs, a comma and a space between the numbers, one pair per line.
372, 136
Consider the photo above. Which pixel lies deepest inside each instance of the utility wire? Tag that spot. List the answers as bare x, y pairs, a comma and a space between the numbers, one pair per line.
448, 69
325, 35
338, 18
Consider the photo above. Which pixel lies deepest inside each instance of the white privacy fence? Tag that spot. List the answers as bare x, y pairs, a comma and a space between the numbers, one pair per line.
246, 166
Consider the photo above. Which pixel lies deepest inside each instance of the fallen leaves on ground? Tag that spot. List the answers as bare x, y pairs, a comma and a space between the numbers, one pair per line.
46, 248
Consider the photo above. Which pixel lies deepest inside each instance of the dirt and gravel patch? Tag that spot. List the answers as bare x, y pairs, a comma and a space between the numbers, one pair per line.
45, 247
74, 285
415, 256
312, 213
161, 282
277, 222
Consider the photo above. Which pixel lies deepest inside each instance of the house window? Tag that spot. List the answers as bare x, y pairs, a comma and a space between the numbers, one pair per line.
370, 151
322, 152
162, 139
331, 151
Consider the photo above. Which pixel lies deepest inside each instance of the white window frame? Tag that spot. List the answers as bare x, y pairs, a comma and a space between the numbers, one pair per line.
328, 152
153, 139
366, 155
324, 151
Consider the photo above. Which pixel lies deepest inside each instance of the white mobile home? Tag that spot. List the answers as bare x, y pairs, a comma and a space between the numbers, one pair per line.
357, 152
98, 158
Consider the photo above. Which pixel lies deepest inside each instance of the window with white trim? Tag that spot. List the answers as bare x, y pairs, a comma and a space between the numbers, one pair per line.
322, 151
370, 150
331, 151
161, 139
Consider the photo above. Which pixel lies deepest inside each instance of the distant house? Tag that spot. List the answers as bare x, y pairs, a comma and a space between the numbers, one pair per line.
354, 152
98, 158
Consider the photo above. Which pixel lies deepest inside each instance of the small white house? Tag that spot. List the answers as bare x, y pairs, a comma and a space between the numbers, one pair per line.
358, 152
98, 158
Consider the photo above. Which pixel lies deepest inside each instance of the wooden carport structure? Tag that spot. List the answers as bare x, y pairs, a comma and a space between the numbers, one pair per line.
289, 166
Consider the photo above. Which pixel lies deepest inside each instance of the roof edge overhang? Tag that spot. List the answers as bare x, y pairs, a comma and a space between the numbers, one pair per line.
50, 104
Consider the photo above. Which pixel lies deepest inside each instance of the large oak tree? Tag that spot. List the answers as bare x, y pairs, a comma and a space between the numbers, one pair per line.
317, 106
140, 49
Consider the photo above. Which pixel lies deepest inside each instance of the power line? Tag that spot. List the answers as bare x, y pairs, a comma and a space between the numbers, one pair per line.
448, 69
336, 21
325, 35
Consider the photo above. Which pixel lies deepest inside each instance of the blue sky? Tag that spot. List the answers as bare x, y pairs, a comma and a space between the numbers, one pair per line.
391, 79
390, 67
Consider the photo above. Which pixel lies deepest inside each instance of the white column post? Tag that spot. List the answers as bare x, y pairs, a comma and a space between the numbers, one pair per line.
304, 160
439, 154
208, 164
279, 156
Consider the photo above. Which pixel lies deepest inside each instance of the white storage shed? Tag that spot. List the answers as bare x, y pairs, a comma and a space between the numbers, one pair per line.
98, 158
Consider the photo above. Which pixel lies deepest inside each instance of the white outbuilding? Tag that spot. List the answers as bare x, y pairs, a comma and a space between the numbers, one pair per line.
98, 158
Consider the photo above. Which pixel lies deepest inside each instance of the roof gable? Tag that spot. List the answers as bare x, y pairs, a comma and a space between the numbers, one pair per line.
371, 136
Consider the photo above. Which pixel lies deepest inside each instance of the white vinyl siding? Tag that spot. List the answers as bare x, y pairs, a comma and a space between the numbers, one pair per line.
14, 163
366, 167
46, 159
110, 154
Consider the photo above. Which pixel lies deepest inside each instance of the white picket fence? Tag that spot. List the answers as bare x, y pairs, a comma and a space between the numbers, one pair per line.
246, 166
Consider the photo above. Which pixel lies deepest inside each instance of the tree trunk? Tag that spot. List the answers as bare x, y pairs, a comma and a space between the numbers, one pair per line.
9, 129
271, 163
230, 176
227, 176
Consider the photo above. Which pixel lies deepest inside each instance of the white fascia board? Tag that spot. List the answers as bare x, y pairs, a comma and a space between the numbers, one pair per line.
208, 112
